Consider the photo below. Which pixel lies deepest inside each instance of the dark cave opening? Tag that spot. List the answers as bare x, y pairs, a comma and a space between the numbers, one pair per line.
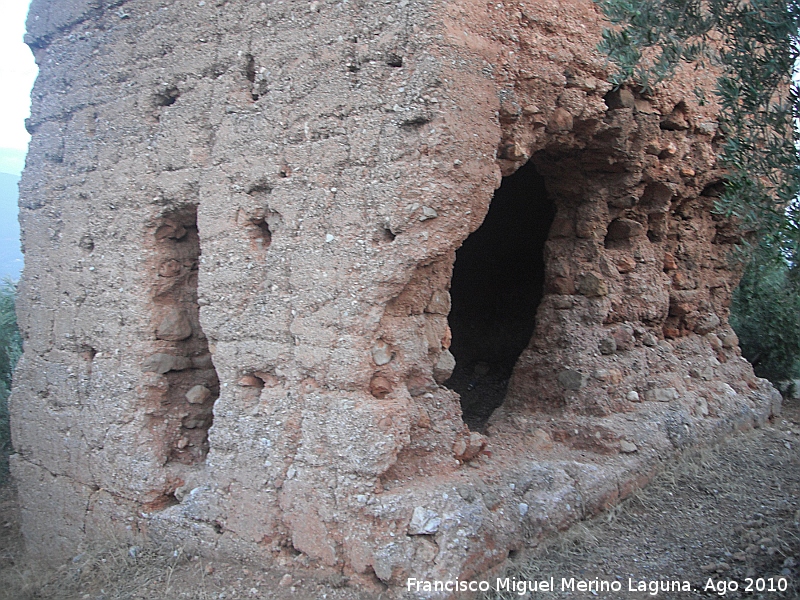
497, 284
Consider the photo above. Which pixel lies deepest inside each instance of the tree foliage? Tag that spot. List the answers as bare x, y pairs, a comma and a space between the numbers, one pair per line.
753, 45
10, 342
766, 315
10, 351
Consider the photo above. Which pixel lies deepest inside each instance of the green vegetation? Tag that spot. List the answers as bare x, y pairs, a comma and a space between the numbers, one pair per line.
766, 315
753, 45
10, 351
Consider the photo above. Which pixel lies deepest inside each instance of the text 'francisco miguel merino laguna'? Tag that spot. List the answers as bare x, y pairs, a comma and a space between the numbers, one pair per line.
523, 586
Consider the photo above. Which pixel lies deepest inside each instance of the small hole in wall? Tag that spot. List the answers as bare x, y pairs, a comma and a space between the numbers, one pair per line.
619, 98
657, 228
678, 119
250, 68
259, 188
265, 235
251, 380
167, 97
714, 189
260, 233
87, 354
383, 234
497, 283
86, 243
163, 502
394, 60
621, 233
387, 235
250, 74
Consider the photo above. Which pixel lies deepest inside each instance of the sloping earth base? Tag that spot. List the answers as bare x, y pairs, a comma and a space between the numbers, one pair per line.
719, 515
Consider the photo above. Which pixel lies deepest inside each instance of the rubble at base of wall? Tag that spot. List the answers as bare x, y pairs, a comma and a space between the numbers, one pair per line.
542, 480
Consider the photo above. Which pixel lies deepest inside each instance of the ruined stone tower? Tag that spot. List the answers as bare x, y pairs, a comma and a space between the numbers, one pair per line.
243, 326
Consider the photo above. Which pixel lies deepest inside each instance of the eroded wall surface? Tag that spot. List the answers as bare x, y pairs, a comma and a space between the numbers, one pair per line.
240, 221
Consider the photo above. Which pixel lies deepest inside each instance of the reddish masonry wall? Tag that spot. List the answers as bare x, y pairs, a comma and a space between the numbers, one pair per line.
240, 222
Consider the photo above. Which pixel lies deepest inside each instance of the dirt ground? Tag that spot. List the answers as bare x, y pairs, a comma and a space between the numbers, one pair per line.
722, 514
719, 518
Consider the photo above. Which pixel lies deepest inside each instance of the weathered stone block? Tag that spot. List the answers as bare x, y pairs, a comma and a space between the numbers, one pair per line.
198, 394
661, 395
164, 363
623, 229
174, 326
592, 285
571, 379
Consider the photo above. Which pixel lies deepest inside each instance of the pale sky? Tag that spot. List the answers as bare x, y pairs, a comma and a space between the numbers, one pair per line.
17, 73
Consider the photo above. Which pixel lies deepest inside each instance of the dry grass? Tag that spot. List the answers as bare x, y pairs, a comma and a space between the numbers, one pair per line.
121, 573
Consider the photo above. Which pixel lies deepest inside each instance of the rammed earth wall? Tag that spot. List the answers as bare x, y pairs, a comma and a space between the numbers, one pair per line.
240, 221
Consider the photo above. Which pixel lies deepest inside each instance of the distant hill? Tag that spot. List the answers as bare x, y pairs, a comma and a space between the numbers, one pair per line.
10, 255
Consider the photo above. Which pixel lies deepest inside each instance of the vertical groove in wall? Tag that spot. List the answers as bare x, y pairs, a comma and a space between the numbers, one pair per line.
185, 383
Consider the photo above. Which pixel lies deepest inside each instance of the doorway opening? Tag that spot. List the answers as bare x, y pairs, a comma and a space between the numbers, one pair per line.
497, 284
